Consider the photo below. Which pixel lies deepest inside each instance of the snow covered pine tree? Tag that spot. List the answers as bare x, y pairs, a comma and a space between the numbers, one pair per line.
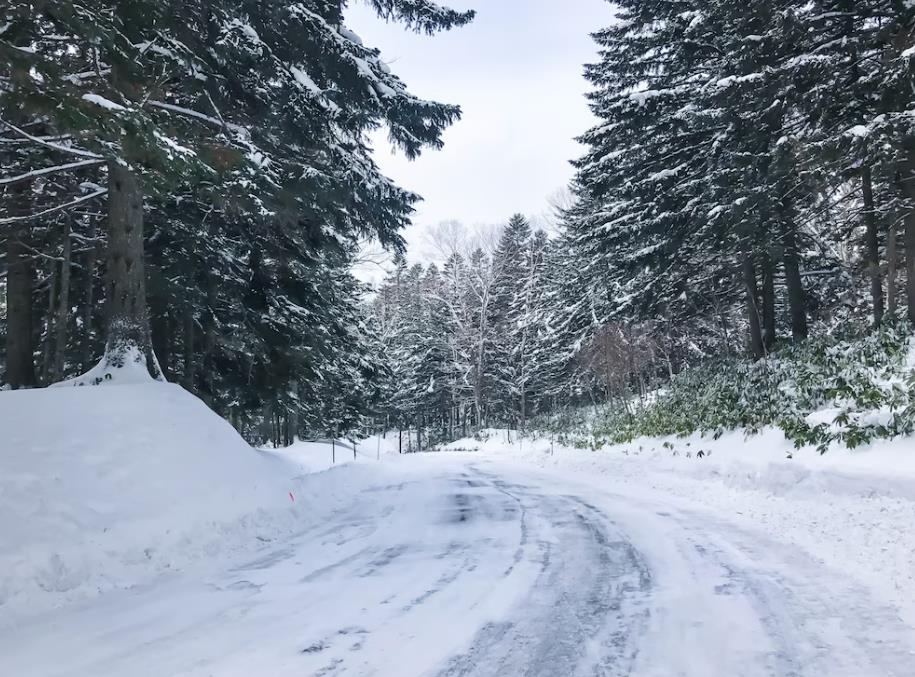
166, 98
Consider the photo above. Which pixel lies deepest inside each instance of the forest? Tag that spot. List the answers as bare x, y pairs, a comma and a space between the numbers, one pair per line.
187, 185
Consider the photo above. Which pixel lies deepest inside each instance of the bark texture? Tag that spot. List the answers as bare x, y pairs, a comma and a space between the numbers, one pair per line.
752, 298
872, 244
20, 360
797, 296
63, 306
892, 264
768, 303
907, 181
125, 285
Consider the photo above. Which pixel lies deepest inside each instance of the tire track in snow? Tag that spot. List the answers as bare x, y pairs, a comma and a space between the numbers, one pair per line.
820, 624
583, 612
730, 601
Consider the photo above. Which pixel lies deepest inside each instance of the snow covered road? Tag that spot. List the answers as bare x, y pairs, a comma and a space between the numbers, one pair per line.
458, 565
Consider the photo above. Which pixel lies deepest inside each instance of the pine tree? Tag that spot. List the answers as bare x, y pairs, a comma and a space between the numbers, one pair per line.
530, 308
456, 302
171, 96
642, 222
511, 263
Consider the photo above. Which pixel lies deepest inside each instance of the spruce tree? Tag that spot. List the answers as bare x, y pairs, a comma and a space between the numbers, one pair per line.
511, 263
172, 96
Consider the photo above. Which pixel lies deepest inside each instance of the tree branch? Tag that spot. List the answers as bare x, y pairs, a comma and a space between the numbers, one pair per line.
48, 170
79, 200
55, 146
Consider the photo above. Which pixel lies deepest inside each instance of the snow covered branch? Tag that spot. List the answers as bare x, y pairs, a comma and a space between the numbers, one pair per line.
67, 205
48, 170
49, 144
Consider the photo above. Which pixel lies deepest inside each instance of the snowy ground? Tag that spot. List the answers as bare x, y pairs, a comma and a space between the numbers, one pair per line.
462, 565
102, 488
611, 563
850, 510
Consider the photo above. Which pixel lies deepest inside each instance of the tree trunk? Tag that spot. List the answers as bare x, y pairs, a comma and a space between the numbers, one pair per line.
128, 336
478, 390
725, 333
48, 348
20, 358
189, 349
768, 303
907, 181
872, 244
161, 325
752, 299
63, 305
892, 258
89, 299
909, 245
797, 302
209, 340
292, 421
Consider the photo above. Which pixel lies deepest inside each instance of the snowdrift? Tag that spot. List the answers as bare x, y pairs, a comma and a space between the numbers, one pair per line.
762, 462
317, 455
104, 487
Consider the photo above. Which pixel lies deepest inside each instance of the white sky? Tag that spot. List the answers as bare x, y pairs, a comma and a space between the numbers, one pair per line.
516, 71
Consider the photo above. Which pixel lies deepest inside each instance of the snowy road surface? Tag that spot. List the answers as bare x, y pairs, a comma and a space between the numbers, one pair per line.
455, 565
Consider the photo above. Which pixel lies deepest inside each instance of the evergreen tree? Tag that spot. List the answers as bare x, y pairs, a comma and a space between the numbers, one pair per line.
232, 141
512, 264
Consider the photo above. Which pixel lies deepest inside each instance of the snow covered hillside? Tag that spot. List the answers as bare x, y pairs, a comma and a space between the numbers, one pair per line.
104, 487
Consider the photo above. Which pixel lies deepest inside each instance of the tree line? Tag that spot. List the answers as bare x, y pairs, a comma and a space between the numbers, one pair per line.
499, 335
752, 171
750, 182
184, 188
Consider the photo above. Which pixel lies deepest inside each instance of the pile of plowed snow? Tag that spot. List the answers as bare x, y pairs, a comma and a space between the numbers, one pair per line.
104, 487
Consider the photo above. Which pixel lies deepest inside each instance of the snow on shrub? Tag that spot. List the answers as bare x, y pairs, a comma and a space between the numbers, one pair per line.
840, 388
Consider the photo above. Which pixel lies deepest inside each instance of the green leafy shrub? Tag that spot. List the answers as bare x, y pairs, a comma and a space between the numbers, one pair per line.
860, 382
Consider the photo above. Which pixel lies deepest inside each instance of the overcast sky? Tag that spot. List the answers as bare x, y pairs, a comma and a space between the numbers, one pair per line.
516, 71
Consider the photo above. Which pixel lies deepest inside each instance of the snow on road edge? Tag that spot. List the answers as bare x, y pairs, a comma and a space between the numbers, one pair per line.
104, 488
854, 513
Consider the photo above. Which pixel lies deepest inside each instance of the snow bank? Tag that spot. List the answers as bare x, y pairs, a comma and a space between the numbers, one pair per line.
765, 462
318, 455
104, 487
852, 510
131, 370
